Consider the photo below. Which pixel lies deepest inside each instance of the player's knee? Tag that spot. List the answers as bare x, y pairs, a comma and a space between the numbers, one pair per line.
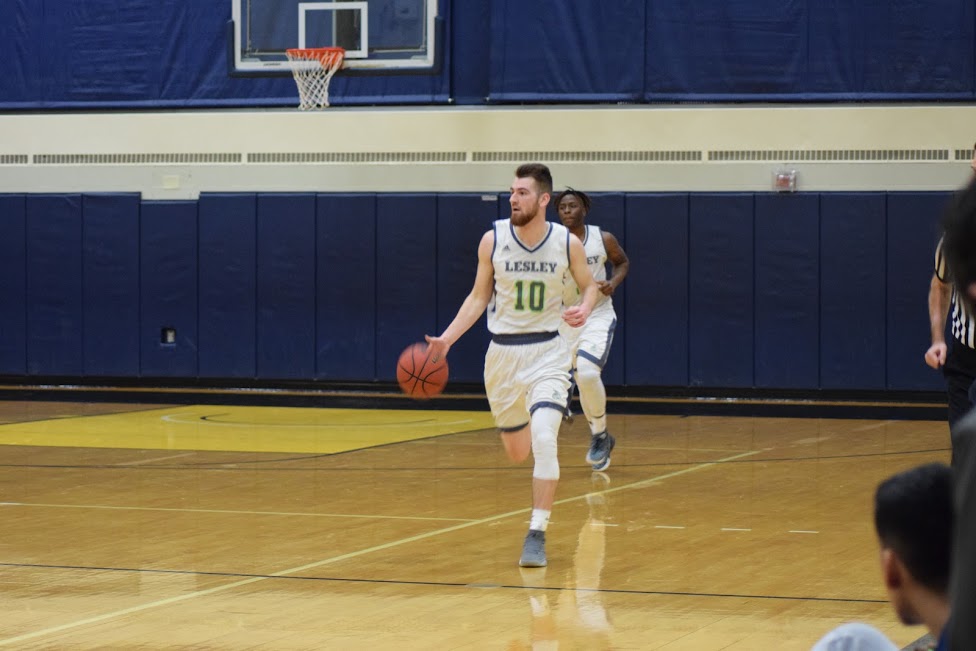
587, 371
544, 447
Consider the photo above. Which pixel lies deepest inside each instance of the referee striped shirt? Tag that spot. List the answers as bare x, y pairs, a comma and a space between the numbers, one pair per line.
960, 317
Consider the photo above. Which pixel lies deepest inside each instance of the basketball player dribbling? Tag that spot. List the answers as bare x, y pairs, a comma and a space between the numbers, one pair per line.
521, 264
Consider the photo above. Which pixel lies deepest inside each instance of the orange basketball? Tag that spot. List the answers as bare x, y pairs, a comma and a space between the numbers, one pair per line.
419, 377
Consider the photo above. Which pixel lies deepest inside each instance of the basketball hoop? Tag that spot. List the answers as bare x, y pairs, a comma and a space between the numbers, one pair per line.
313, 69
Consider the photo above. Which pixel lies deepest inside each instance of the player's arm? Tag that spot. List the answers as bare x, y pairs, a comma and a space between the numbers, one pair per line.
618, 258
939, 293
473, 306
577, 314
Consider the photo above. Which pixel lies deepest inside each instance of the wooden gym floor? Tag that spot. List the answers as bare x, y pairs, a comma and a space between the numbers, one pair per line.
130, 526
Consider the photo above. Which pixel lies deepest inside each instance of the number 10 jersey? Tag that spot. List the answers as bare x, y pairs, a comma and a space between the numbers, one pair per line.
528, 281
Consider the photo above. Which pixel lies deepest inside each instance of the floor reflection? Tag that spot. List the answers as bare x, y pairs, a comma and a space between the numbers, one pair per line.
572, 615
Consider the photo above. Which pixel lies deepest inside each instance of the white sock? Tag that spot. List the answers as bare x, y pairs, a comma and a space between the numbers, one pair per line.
540, 519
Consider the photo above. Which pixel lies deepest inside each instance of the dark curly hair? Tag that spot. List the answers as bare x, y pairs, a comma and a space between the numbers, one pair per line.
572, 192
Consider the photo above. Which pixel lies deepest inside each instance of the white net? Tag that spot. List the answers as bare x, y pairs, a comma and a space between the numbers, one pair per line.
313, 69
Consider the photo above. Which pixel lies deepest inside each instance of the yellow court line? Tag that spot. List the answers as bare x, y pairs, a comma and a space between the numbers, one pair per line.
336, 559
230, 511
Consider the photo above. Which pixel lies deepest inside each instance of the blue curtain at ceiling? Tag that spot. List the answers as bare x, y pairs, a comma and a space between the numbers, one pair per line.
146, 53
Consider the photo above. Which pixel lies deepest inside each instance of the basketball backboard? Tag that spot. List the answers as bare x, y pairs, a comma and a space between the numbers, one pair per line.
378, 35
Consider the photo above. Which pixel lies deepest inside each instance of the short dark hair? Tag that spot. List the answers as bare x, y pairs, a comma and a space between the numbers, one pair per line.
572, 192
913, 515
537, 171
959, 239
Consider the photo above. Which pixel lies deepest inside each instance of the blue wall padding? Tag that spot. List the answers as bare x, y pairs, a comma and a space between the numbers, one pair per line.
505, 207
55, 305
406, 275
608, 212
538, 50
655, 333
13, 288
168, 288
111, 279
801, 291
913, 231
346, 305
228, 285
462, 220
721, 305
852, 291
787, 291
286, 286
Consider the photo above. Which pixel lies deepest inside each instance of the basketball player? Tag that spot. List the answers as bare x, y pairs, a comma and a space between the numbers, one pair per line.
590, 345
521, 264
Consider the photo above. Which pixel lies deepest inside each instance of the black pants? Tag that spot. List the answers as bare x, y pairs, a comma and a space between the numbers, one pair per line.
960, 375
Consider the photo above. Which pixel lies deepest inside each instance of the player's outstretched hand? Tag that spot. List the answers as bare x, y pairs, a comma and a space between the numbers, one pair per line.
437, 348
576, 315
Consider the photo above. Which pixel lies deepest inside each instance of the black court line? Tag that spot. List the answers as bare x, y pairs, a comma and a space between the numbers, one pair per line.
229, 465
741, 403
444, 584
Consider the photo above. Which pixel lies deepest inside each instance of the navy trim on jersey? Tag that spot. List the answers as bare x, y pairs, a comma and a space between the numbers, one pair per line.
537, 246
601, 361
494, 284
494, 244
507, 430
523, 338
569, 257
551, 405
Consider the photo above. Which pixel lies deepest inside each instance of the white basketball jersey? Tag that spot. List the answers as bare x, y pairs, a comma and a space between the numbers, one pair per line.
528, 282
596, 259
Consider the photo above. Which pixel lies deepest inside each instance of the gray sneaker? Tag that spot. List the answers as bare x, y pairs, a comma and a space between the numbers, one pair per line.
534, 549
598, 456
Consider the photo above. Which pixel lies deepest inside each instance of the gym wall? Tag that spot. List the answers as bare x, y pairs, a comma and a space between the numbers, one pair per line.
727, 290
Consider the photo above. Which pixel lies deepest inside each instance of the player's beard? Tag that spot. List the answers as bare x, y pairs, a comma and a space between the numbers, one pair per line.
522, 217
